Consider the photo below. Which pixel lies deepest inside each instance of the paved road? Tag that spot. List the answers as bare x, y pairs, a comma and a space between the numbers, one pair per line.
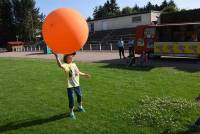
81, 56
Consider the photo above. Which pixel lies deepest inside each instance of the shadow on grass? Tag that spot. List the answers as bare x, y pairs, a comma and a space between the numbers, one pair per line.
182, 64
17, 125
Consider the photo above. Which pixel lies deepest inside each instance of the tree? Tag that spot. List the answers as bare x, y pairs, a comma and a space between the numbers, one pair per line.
156, 7
95, 12
172, 3
114, 7
27, 19
101, 12
149, 7
89, 18
183, 10
127, 11
169, 9
163, 5
109, 9
6, 21
136, 8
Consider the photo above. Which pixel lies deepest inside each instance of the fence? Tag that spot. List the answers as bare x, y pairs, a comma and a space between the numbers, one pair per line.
28, 48
88, 47
102, 47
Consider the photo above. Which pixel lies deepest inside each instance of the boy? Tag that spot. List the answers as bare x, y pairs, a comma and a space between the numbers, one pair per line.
72, 73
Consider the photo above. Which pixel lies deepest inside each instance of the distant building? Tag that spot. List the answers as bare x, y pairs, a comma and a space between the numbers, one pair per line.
122, 22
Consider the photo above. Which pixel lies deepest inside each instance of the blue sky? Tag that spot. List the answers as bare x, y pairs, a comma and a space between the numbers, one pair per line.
85, 7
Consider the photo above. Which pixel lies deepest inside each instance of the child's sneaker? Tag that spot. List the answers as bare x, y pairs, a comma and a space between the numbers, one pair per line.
82, 110
72, 116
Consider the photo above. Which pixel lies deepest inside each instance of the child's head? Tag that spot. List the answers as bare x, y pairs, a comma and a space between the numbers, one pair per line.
68, 58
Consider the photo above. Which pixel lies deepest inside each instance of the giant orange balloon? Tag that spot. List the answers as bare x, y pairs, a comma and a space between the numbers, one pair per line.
65, 31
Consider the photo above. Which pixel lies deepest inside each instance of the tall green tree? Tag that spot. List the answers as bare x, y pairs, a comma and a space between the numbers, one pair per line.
164, 4
127, 11
109, 9
114, 7
172, 3
156, 7
169, 9
6, 22
27, 19
136, 8
89, 18
149, 6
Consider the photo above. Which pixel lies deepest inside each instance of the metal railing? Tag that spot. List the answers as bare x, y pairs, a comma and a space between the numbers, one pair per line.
27, 48
102, 47
88, 47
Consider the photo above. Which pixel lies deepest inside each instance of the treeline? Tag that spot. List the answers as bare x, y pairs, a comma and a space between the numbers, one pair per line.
111, 9
19, 19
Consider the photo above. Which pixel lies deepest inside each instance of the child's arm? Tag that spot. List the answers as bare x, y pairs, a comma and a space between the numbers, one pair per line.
84, 74
58, 61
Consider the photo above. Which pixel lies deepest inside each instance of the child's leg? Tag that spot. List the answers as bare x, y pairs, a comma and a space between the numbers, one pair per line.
71, 99
79, 96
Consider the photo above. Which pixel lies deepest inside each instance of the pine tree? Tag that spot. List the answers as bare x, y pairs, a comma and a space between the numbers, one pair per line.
109, 9
169, 9
149, 7
163, 5
136, 8
27, 19
6, 22
114, 7
89, 18
172, 3
127, 11
156, 7
95, 12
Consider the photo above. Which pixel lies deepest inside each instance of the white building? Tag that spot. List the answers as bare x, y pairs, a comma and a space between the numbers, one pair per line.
120, 22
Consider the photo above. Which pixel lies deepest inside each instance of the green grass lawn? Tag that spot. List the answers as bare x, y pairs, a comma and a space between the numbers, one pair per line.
33, 96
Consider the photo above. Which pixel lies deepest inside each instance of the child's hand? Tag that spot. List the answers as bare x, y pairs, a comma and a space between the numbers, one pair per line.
87, 76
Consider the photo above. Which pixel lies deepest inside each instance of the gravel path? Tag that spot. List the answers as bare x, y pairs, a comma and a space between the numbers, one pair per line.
81, 56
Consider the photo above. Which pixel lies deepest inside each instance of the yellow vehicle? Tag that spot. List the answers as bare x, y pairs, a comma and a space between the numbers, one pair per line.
180, 40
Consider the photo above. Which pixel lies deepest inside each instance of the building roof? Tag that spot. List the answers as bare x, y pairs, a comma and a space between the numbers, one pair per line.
124, 15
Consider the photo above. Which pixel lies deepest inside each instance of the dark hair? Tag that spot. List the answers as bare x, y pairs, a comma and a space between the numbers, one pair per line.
66, 56
73, 54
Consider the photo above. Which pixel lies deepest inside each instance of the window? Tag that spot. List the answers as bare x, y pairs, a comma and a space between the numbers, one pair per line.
185, 33
164, 34
198, 33
149, 33
137, 19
